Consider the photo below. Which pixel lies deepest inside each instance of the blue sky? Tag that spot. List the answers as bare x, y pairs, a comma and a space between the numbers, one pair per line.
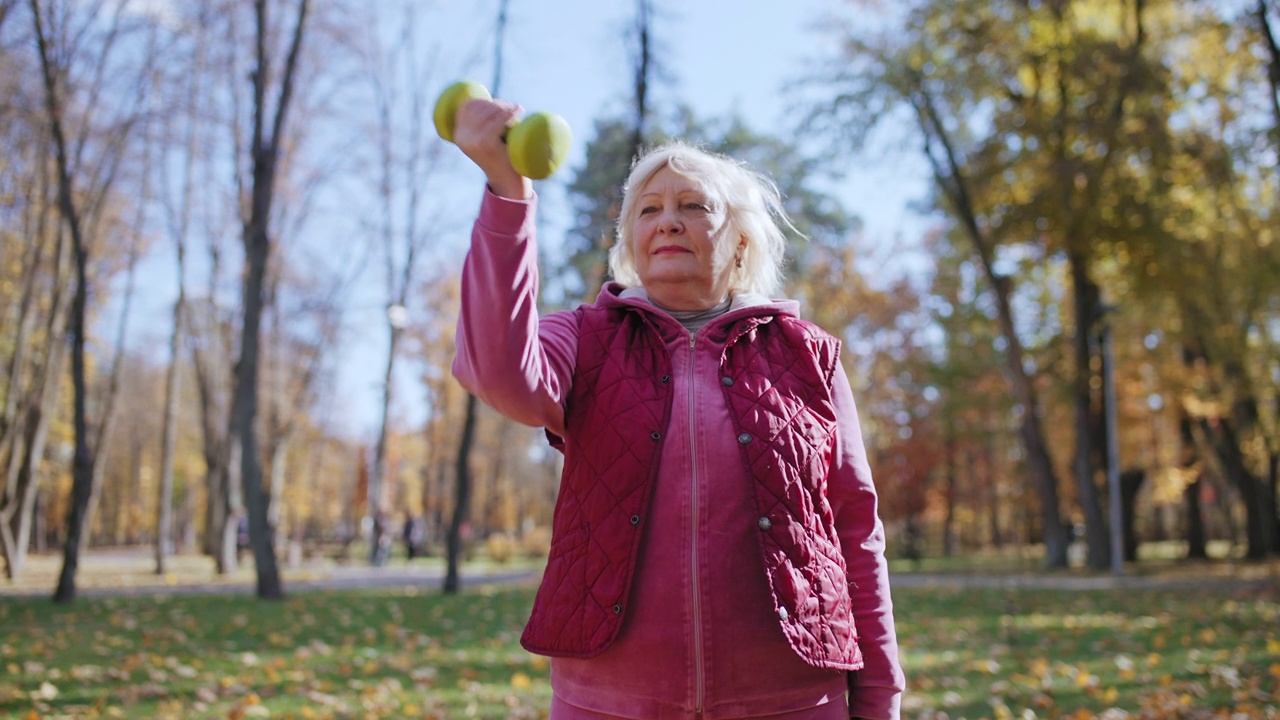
567, 56
719, 57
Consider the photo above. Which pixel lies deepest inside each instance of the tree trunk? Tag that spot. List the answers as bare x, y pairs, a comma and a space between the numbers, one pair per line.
1273, 487
219, 516
31, 426
1097, 539
644, 13
1197, 547
10, 427
244, 406
1130, 484
17, 518
190, 541
168, 437
642, 71
82, 463
993, 491
949, 520
1260, 518
265, 154
462, 497
911, 546
179, 223
498, 491
107, 422
400, 281
277, 460
377, 472
1272, 46
953, 183
226, 539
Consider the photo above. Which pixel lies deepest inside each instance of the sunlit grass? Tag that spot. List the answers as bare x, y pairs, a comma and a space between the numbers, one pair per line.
1018, 653
371, 653
1000, 653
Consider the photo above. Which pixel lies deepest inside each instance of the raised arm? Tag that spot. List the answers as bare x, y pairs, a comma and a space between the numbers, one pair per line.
518, 363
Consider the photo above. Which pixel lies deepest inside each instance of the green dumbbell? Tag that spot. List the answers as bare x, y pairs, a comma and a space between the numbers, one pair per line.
537, 145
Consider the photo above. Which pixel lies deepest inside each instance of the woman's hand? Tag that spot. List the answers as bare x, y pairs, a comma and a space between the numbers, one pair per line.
479, 131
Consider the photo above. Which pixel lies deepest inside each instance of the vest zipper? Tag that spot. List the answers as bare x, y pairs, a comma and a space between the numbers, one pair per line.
699, 681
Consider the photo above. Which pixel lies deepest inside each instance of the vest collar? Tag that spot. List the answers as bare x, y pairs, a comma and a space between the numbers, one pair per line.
742, 305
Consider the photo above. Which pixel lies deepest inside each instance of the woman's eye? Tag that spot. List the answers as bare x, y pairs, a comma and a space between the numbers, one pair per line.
696, 206
648, 210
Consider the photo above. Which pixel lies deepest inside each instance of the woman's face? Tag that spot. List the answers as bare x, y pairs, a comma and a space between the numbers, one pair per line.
681, 253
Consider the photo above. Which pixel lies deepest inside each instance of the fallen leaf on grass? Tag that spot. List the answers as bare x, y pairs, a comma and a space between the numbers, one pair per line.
1085, 679
248, 706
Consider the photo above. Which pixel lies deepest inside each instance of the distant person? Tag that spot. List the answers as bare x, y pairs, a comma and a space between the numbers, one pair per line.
413, 535
716, 548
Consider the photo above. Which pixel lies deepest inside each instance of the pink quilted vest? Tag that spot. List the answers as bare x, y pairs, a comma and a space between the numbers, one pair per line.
776, 374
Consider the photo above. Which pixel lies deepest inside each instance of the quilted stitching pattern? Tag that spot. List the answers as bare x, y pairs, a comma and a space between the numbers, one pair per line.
781, 401
610, 458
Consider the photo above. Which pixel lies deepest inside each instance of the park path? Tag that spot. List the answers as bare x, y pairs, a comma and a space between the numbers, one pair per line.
1065, 581
338, 578
430, 577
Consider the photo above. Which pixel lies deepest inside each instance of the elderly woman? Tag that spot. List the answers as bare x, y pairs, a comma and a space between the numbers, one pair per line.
716, 550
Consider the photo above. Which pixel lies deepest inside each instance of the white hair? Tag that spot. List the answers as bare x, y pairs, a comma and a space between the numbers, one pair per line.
753, 211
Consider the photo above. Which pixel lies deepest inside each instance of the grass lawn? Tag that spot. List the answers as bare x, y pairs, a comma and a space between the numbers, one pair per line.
1003, 652
1152, 653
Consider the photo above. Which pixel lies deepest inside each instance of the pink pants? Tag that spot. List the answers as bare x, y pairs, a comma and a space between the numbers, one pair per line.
838, 710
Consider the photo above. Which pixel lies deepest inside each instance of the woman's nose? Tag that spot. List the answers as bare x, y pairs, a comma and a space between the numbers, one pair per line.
670, 223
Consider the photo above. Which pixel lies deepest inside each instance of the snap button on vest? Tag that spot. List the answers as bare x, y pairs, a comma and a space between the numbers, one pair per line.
765, 523
655, 436
617, 609
635, 519
726, 380
744, 438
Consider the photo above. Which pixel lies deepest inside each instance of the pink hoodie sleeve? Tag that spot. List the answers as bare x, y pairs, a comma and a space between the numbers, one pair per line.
876, 689
516, 362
